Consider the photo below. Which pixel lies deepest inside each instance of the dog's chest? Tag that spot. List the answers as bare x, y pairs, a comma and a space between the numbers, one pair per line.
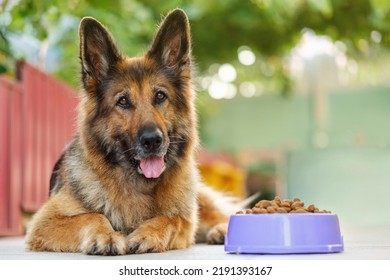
127, 212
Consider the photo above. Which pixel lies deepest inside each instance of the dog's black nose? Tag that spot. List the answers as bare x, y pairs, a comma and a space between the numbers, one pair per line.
150, 138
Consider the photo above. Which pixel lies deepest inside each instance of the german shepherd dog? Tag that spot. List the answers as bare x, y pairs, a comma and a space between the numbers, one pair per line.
128, 182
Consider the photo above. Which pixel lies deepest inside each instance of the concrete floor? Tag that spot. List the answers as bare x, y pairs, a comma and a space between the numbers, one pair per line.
360, 243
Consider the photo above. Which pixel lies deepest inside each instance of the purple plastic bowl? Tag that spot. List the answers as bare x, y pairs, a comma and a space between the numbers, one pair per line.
284, 234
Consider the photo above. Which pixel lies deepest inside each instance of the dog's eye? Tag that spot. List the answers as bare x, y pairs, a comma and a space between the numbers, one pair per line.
160, 97
123, 102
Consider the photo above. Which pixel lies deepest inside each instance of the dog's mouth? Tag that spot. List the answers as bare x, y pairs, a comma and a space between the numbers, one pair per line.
151, 167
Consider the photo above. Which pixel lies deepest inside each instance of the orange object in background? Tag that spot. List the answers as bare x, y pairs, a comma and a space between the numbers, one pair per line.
219, 171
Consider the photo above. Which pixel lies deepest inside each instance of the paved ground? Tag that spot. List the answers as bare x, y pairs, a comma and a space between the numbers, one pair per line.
360, 243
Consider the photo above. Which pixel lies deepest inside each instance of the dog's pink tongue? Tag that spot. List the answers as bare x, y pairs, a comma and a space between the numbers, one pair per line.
152, 167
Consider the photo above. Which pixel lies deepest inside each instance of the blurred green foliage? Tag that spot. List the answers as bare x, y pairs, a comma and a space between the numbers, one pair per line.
219, 27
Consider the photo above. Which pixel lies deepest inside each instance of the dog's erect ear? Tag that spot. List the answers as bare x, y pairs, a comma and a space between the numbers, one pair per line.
97, 51
172, 44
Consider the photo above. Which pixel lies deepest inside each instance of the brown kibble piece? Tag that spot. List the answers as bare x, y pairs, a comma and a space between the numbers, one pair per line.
278, 201
286, 202
311, 208
297, 204
266, 203
260, 211
274, 204
281, 210
271, 209
263, 203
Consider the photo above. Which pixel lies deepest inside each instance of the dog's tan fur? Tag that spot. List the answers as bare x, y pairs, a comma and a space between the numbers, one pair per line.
100, 203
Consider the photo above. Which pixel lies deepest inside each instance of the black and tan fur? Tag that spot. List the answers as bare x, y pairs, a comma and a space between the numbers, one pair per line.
100, 200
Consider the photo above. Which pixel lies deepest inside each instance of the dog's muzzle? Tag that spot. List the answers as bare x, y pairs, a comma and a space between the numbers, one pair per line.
151, 147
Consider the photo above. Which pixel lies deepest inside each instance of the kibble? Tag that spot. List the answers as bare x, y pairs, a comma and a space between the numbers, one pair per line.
297, 205
281, 206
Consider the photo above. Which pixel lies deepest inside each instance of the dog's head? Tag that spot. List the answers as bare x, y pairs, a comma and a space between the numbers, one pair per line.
138, 112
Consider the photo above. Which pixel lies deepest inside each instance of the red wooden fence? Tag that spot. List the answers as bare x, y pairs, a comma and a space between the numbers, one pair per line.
37, 119
10, 157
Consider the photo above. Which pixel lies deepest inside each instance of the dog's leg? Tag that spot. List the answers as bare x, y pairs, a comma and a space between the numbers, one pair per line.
160, 234
56, 228
214, 212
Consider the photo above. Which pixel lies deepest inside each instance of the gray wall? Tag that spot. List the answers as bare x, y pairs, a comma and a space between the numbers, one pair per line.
351, 176
353, 183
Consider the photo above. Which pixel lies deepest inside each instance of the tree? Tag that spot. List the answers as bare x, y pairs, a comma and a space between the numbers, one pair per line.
219, 27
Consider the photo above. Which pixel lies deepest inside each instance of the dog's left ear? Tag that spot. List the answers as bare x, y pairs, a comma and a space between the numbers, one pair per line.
98, 51
172, 44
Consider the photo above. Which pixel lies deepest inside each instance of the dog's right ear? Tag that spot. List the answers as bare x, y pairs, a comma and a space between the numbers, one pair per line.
172, 44
97, 52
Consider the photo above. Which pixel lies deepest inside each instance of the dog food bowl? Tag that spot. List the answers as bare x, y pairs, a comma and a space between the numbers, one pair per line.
284, 234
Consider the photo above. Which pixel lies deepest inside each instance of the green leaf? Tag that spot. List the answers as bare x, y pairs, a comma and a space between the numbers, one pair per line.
381, 7
322, 6
3, 68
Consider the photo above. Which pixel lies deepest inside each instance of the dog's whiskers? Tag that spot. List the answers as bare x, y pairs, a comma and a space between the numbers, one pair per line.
128, 150
177, 137
175, 142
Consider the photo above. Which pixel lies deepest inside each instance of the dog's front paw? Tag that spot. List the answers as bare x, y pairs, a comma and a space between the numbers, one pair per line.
216, 234
146, 241
107, 244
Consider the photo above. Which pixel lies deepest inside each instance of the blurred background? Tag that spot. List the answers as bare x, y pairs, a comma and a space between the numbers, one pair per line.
293, 96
